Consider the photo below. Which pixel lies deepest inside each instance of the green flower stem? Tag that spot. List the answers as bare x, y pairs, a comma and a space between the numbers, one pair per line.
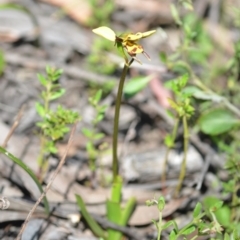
183, 166
173, 135
116, 119
159, 225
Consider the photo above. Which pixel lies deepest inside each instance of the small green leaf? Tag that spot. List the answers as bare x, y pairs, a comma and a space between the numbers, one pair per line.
59, 72
98, 136
40, 109
197, 210
57, 94
168, 141
173, 235
188, 231
223, 213
216, 206
161, 204
175, 14
87, 132
166, 225
163, 57
99, 118
182, 81
42, 79
177, 84
135, 85
217, 122
90, 148
49, 70
191, 90
97, 96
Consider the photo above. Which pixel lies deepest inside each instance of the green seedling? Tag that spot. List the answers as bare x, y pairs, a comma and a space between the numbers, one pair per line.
184, 110
54, 122
198, 225
91, 133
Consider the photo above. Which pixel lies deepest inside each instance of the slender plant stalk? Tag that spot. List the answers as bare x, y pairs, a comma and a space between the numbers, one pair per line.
159, 225
183, 166
116, 119
173, 135
42, 158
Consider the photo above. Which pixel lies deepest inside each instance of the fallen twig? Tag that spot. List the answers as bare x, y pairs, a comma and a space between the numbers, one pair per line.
14, 126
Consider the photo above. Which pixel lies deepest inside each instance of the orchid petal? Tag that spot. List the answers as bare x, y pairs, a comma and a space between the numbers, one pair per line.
147, 34
105, 32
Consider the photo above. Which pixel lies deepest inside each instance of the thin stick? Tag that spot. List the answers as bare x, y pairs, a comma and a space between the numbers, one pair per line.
14, 126
62, 161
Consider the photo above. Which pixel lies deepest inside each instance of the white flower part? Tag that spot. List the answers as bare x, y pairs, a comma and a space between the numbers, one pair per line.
105, 32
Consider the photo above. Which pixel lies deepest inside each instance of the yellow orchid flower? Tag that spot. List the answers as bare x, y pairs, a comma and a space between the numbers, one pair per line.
127, 41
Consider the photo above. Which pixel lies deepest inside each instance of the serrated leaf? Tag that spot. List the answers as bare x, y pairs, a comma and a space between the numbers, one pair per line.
135, 85
217, 122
